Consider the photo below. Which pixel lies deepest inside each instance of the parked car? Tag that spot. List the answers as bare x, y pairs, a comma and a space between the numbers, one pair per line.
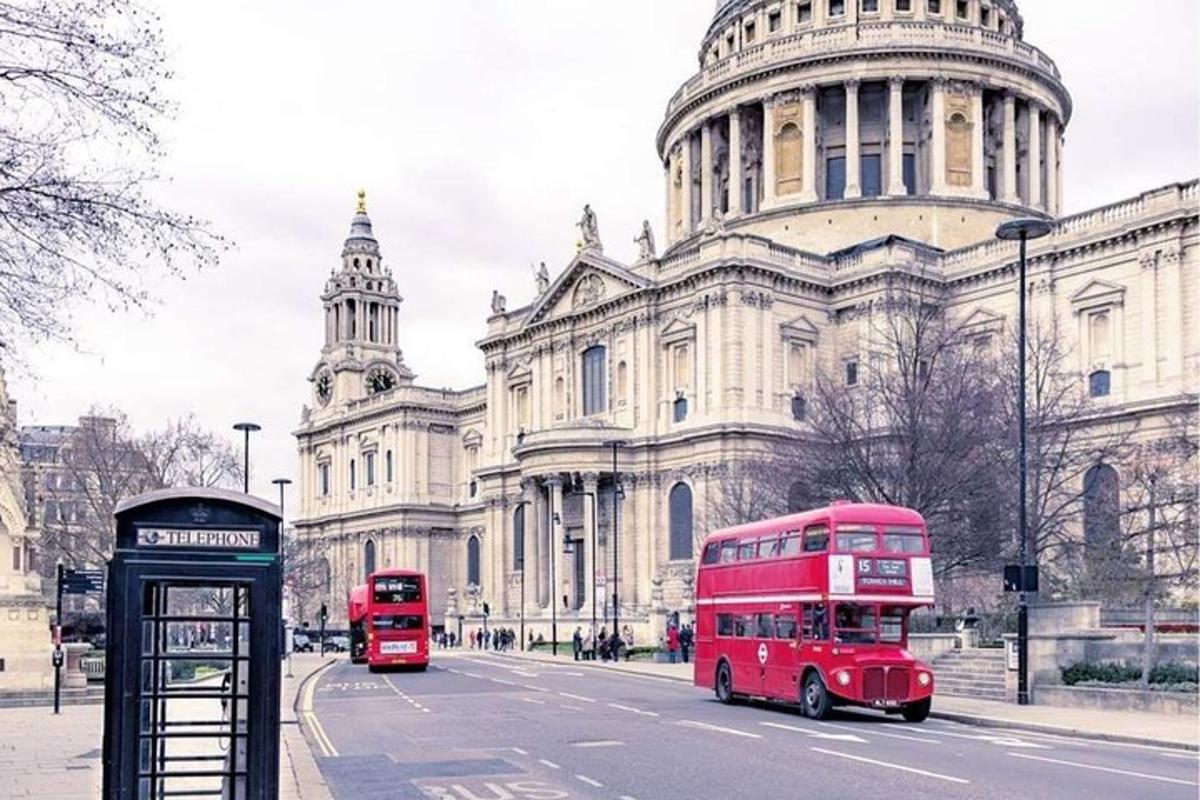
337, 644
301, 643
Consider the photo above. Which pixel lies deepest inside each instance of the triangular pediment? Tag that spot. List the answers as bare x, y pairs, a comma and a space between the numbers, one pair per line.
1097, 292
800, 328
982, 319
588, 281
677, 330
520, 373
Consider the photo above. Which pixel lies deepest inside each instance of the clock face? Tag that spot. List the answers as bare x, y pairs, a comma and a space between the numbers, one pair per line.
380, 380
324, 387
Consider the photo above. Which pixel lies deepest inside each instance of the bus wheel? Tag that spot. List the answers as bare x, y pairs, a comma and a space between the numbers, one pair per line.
815, 702
724, 685
918, 711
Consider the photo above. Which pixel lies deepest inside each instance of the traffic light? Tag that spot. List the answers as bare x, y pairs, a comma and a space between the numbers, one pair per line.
324, 612
486, 609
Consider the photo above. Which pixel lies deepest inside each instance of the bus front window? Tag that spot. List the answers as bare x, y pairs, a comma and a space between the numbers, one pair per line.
856, 623
856, 539
893, 624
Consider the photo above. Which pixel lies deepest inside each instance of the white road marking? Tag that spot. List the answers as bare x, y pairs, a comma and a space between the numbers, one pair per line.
889, 765
570, 708
306, 707
533, 688
519, 751
875, 732
576, 697
549, 764
590, 781
1003, 741
634, 710
501, 680
626, 797
531, 700
691, 723
474, 675
1189, 756
598, 743
837, 737
405, 697
1104, 769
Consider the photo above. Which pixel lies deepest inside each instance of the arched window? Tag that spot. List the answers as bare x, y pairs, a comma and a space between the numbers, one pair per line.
473, 560
368, 557
1101, 505
795, 498
680, 409
789, 151
518, 529
388, 465
560, 398
680, 506
622, 383
593, 380
799, 408
1101, 336
958, 150
1100, 383
683, 367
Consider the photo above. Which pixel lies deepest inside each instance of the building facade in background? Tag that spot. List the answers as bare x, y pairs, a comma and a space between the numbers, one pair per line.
823, 147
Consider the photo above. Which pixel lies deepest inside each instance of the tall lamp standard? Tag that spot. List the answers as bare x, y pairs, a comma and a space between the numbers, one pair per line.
246, 428
616, 599
553, 587
1022, 230
281, 483
521, 566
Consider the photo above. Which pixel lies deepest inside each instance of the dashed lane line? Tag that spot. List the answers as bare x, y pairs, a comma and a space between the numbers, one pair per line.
633, 710
599, 743
533, 688
1097, 768
534, 702
548, 763
691, 723
415, 704
576, 697
519, 751
890, 765
590, 781
873, 732
502, 681
570, 708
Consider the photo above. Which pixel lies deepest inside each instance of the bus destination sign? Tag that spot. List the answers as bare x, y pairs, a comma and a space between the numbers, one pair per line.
198, 538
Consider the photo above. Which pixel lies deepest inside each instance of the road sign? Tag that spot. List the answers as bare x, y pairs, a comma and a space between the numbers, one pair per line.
83, 581
762, 654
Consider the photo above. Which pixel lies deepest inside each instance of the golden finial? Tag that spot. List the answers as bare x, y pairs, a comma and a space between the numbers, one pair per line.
362, 201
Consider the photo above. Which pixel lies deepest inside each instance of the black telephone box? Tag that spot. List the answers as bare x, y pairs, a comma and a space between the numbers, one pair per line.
192, 678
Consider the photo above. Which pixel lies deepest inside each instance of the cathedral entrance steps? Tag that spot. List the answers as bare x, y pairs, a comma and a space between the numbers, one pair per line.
971, 672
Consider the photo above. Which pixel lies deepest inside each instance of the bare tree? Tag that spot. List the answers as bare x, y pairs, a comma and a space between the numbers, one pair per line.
747, 491
81, 99
105, 462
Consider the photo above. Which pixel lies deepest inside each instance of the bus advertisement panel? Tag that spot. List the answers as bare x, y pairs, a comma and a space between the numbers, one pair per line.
397, 620
813, 608
356, 613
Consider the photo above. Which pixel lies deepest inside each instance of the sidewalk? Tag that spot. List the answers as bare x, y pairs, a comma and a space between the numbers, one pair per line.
1131, 727
58, 757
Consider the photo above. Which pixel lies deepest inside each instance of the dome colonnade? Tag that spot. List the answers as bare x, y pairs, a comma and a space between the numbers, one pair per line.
812, 102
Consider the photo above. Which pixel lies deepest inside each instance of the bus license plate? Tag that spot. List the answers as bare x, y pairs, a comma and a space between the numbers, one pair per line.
389, 648
885, 703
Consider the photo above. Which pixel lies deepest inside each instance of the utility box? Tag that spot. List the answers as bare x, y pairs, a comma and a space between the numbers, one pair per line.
192, 677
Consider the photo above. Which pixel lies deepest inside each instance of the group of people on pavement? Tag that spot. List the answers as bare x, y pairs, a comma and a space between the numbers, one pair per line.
498, 639
680, 641
603, 646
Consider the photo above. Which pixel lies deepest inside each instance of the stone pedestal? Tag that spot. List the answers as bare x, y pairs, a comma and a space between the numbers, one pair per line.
25, 644
73, 675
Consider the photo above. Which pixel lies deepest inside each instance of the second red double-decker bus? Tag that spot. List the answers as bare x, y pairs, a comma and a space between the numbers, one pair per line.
814, 607
356, 615
397, 620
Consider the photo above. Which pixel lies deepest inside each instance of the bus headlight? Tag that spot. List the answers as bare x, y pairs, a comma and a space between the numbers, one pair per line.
843, 677
924, 678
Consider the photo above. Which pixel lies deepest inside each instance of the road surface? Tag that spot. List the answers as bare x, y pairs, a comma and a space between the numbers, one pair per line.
484, 726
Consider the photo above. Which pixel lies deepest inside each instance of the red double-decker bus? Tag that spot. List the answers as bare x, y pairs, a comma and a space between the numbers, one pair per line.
356, 614
397, 620
814, 608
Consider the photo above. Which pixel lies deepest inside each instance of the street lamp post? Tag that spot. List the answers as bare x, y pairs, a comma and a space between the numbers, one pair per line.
616, 599
553, 520
281, 483
246, 428
521, 566
1022, 230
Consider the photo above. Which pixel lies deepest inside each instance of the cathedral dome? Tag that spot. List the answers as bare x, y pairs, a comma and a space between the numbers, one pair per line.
821, 123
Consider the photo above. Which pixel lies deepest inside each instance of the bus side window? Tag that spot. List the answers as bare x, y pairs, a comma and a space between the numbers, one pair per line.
816, 538
785, 626
729, 551
741, 626
815, 623
712, 553
790, 544
766, 624
724, 624
768, 547
747, 550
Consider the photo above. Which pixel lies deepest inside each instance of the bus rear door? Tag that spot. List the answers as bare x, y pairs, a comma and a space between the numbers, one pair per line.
782, 670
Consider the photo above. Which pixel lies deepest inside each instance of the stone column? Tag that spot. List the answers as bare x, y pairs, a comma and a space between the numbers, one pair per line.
853, 158
768, 153
556, 550
1148, 285
685, 163
667, 173
1009, 193
541, 550
706, 174
590, 544
978, 131
808, 118
1051, 165
937, 162
736, 179
1173, 336
1035, 155
896, 187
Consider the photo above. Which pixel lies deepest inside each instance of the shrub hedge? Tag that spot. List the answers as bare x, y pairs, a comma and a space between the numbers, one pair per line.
1129, 672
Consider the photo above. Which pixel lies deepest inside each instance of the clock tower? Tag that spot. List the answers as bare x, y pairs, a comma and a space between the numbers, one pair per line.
361, 357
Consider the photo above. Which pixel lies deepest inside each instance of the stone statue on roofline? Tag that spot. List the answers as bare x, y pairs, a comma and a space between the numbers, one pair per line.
499, 302
543, 279
645, 242
590, 230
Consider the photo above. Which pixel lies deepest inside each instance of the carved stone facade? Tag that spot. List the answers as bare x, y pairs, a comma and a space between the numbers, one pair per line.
689, 361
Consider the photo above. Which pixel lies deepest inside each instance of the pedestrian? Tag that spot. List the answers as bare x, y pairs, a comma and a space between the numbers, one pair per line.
673, 644
496, 640
602, 644
685, 642
614, 647
577, 641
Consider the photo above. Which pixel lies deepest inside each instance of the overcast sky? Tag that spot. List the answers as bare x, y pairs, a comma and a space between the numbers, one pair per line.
479, 130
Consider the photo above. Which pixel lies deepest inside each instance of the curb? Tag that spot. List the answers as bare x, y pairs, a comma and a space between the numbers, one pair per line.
304, 684
307, 788
1060, 730
597, 665
952, 716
